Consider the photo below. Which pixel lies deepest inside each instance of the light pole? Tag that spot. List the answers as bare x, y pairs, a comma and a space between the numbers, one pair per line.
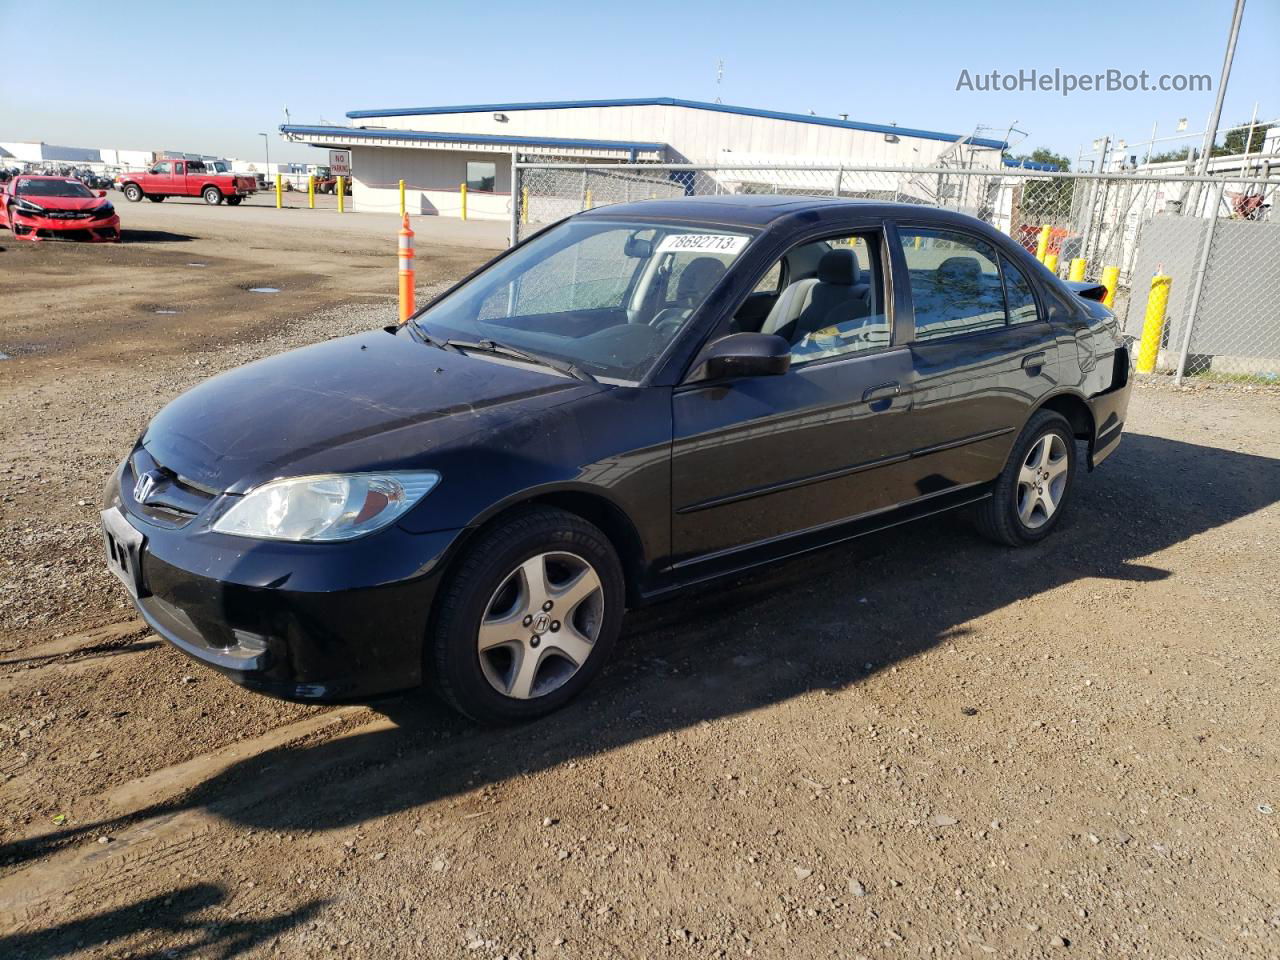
267, 144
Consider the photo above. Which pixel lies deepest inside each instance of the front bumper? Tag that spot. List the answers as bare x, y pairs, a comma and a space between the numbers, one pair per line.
313, 622
35, 227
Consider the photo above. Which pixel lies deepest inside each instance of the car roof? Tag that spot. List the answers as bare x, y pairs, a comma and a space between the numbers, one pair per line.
760, 210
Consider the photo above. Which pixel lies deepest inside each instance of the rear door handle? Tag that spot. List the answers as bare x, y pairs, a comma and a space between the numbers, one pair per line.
1032, 362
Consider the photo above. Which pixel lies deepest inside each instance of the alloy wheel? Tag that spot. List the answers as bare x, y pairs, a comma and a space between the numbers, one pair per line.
540, 625
1042, 481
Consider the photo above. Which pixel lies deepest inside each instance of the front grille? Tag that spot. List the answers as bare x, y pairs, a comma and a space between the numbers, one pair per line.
167, 498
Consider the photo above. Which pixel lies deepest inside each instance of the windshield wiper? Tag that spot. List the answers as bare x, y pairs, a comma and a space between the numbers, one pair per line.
415, 330
489, 345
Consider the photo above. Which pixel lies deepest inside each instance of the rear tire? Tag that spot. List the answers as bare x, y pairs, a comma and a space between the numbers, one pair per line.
1032, 489
234, 201
133, 193
212, 196
155, 199
491, 617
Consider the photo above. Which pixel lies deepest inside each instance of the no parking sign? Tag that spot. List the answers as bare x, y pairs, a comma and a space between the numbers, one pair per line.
340, 163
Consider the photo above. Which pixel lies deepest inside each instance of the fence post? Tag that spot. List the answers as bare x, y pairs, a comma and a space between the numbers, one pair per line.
1198, 287
835, 191
517, 204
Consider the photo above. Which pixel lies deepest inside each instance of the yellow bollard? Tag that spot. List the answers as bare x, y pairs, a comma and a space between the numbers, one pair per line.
1077, 269
1042, 247
311, 192
406, 269
279, 193
342, 206
1153, 323
524, 205
402, 198
1110, 280
462, 194
589, 200
1051, 263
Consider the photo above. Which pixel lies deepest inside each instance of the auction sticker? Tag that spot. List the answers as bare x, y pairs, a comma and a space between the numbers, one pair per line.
726, 244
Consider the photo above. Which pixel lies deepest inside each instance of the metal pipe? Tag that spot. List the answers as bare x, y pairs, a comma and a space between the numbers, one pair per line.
1198, 288
1211, 133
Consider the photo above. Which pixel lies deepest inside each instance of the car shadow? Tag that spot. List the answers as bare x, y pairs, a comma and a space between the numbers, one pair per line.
152, 236
174, 914
823, 621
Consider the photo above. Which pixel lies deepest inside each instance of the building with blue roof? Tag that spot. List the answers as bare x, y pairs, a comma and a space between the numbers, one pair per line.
436, 149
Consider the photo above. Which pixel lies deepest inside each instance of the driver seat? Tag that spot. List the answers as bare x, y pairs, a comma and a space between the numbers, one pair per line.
836, 295
697, 279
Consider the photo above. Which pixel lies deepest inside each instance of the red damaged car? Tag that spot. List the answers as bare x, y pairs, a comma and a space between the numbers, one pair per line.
40, 208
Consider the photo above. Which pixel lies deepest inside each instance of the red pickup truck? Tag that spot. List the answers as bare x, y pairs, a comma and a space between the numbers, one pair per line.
187, 178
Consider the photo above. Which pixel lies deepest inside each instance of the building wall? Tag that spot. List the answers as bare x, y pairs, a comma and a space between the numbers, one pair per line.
695, 135
431, 180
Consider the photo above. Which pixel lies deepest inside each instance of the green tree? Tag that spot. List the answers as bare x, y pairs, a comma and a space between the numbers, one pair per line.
1233, 142
1044, 155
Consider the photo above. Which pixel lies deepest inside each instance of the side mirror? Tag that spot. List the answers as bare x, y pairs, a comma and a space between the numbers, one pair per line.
743, 355
102, 193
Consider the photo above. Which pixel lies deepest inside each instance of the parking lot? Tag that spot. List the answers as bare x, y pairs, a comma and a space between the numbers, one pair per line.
916, 745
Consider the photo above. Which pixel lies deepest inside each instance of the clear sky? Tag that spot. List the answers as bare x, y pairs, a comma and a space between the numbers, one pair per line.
164, 76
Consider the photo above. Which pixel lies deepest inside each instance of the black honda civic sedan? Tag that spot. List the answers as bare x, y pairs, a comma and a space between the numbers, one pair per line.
637, 399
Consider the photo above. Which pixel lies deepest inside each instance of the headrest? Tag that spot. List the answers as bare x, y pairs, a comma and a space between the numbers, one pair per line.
839, 267
697, 279
964, 271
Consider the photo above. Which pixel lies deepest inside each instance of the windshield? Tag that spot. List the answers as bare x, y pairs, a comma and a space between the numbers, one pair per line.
606, 296
52, 188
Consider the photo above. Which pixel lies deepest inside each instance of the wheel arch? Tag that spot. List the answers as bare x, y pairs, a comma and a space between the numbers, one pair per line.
1075, 410
589, 504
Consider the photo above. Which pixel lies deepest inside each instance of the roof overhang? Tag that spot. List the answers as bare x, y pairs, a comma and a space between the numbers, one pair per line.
882, 128
473, 142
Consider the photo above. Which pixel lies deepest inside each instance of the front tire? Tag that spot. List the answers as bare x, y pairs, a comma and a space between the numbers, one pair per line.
527, 618
133, 192
1032, 489
154, 198
212, 196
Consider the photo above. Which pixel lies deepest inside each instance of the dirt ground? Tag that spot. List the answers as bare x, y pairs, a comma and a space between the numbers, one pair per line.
919, 745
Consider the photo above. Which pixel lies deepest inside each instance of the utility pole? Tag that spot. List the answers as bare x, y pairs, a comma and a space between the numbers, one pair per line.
1211, 134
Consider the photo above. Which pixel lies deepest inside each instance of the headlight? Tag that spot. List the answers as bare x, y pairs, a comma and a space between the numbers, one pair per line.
105, 210
26, 206
325, 507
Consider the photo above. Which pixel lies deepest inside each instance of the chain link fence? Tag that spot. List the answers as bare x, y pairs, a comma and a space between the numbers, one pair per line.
1217, 239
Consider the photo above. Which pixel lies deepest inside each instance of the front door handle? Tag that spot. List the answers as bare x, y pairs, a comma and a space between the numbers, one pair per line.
1032, 362
881, 396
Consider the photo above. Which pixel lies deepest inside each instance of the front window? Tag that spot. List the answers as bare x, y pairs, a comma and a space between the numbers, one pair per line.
607, 296
51, 188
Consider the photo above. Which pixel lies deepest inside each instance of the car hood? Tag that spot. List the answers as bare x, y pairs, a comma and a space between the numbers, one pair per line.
365, 402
